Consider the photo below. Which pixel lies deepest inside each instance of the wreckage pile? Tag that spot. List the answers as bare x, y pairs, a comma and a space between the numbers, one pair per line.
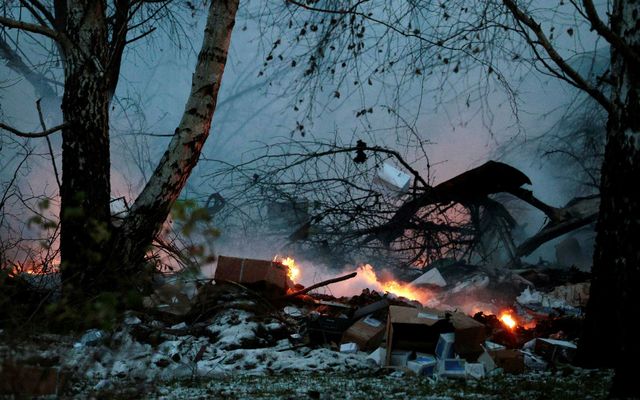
436, 342
252, 318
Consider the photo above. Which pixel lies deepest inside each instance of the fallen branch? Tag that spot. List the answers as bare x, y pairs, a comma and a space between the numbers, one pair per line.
323, 283
577, 213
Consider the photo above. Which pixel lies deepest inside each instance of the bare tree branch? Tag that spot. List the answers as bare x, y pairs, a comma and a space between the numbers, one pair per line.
543, 41
320, 284
17, 64
33, 12
604, 31
32, 134
47, 14
352, 11
33, 28
140, 36
118, 43
53, 159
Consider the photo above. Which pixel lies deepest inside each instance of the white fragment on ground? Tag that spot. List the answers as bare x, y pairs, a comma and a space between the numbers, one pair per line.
235, 348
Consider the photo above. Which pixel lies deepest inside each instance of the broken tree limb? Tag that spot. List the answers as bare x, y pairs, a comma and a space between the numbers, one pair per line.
552, 231
577, 213
321, 284
470, 187
553, 213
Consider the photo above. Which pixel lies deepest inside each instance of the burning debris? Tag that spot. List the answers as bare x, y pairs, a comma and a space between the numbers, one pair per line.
255, 317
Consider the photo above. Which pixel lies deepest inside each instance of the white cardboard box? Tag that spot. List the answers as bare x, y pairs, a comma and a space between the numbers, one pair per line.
348, 348
444, 347
423, 365
452, 368
392, 178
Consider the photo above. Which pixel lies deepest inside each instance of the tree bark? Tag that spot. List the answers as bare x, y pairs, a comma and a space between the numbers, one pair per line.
153, 205
609, 338
84, 214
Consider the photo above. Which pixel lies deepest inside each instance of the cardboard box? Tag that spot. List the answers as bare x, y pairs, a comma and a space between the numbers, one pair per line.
378, 356
348, 347
423, 365
400, 358
493, 346
416, 329
392, 178
534, 362
510, 360
470, 335
246, 270
371, 308
444, 347
553, 350
323, 329
474, 370
367, 333
487, 361
452, 368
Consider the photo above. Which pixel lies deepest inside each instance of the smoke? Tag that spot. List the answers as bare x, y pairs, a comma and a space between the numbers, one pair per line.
257, 110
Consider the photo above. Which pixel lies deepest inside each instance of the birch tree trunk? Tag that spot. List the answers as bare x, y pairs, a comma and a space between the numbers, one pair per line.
609, 337
153, 205
96, 256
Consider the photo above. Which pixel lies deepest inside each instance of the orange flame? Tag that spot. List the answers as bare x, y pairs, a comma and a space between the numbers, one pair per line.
290, 263
507, 319
399, 289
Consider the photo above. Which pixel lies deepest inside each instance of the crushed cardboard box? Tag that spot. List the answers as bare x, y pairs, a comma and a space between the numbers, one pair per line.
367, 333
246, 270
469, 336
510, 360
414, 329
555, 351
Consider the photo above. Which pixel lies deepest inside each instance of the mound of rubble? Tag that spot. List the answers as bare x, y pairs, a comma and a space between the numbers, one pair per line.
253, 320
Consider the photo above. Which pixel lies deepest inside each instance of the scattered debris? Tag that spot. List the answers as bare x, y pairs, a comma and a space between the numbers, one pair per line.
255, 319
248, 271
429, 278
392, 178
367, 333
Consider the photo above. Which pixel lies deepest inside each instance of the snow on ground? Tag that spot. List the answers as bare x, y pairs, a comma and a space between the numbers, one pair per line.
237, 360
235, 343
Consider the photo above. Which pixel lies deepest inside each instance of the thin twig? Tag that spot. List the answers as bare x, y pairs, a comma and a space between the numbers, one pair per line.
53, 159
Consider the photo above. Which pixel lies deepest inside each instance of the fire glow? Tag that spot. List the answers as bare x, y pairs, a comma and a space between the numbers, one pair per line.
366, 278
35, 268
396, 288
293, 271
507, 319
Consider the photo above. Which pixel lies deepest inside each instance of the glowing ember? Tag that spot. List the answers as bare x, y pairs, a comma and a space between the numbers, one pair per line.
290, 263
508, 320
399, 289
